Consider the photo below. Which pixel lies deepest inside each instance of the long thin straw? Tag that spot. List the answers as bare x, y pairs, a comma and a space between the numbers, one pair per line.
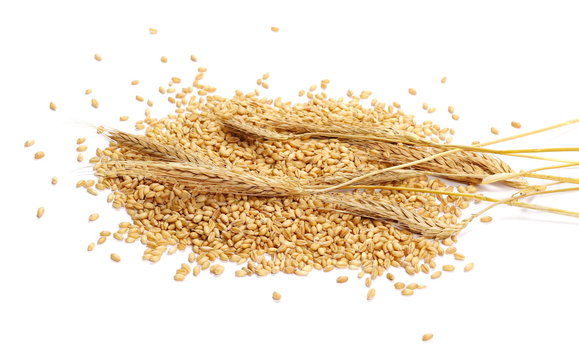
530, 173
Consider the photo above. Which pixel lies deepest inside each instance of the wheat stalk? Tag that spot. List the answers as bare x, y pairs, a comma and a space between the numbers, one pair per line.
204, 177
461, 162
383, 178
454, 164
144, 145
384, 210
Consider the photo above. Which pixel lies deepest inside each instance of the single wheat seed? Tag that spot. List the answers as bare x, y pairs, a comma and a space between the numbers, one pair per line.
371, 294
516, 124
240, 273
79, 157
135, 82
468, 267
494, 130
435, 275
390, 276
90, 247
88, 91
412, 286
458, 256
115, 257
81, 148
412, 91
216, 269
427, 337
152, 31
341, 279
39, 212
163, 59
399, 286
486, 219
276, 296
124, 118
29, 143
274, 29
98, 57
93, 217
52, 106
193, 58
407, 292
39, 155
443, 80
451, 109
94, 103
54, 180
455, 117
448, 267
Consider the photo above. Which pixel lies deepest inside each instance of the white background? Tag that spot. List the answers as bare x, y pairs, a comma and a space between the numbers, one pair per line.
504, 61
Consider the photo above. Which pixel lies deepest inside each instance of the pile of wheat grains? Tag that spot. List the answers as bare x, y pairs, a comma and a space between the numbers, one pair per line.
267, 235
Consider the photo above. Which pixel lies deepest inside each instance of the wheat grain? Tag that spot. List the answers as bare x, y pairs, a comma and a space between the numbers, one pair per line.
427, 337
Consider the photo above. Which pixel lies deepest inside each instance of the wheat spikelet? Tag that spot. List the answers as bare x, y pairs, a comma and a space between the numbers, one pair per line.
453, 165
386, 211
203, 177
261, 128
387, 142
236, 125
382, 178
144, 145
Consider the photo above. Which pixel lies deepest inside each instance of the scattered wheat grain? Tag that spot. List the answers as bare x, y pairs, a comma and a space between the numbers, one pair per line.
427, 337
